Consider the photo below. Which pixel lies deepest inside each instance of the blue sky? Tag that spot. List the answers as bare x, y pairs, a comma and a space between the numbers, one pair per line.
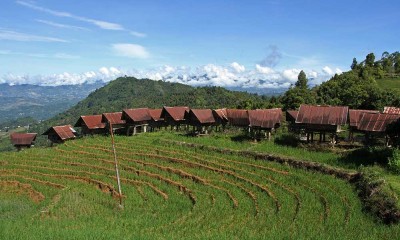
233, 43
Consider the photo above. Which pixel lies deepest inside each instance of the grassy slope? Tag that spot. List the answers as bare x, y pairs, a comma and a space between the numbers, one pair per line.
190, 194
389, 83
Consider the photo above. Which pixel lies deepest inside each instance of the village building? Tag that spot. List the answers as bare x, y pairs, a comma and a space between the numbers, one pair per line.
321, 119
200, 119
137, 120
290, 117
59, 134
115, 119
91, 124
156, 122
391, 110
354, 120
376, 124
22, 140
175, 116
238, 118
221, 118
263, 121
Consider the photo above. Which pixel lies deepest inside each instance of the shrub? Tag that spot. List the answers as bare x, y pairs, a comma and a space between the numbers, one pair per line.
394, 161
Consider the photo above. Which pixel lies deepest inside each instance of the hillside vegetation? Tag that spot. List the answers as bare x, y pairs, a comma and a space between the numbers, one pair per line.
172, 192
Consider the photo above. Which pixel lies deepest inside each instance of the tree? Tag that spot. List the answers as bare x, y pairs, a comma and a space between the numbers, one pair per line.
301, 80
354, 64
370, 60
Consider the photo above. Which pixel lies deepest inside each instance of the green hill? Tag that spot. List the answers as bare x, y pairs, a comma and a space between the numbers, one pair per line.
389, 83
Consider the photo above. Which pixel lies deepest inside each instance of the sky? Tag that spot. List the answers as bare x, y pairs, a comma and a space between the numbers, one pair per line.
229, 43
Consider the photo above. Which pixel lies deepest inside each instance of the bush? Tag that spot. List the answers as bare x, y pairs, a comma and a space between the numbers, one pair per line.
394, 161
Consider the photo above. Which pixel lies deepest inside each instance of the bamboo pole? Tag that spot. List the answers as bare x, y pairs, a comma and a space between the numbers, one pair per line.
116, 165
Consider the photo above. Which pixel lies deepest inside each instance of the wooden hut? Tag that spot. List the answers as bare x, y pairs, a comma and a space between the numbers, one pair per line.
238, 118
115, 119
22, 140
221, 118
91, 124
174, 116
354, 120
156, 121
291, 116
200, 119
137, 120
391, 110
321, 119
375, 125
264, 121
59, 134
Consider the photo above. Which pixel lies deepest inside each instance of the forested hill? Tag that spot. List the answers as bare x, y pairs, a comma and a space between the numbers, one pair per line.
129, 92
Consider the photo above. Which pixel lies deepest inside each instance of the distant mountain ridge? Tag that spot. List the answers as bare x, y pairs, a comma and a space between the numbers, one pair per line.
40, 102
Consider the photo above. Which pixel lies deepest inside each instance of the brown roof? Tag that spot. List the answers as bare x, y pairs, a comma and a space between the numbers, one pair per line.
221, 113
322, 115
265, 118
391, 110
113, 118
376, 122
355, 115
202, 115
156, 114
22, 138
238, 117
64, 132
90, 121
291, 114
177, 113
136, 115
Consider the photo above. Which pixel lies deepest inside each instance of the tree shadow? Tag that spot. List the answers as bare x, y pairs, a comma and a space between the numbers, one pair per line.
287, 140
367, 156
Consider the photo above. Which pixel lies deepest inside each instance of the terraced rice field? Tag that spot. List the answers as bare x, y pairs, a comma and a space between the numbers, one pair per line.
169, 191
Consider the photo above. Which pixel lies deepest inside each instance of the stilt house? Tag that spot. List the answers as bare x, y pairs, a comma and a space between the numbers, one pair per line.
174, 116
59, 134
118, 125
375, 124
200, 119
221, 118
354, 120
264, 121
156, 121
22, 140
238, 117
137, 120
91, 124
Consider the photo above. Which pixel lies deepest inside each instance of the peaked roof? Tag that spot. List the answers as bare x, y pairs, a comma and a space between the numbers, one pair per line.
203, 115
177, 113
238, 117
322, 115
155, 114
292, 114
355, 115
265, 118
391, 110
22, 138
64, 132
136, 115
376, 122
221, 113
113, 118
90, 121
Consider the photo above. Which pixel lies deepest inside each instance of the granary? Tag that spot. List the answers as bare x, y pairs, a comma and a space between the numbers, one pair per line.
354, 120
221, 117
200, 119
321, 119
264, 120
375, 124
59, 134
391, 110
174, 116
137, 120
117, 124
91, 124
22, 140
156, 121
238, 118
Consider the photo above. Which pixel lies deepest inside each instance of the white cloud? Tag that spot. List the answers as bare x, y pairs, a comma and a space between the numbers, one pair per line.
207, 75
59, 25
327, 70
99, 23
130, 50
24, 37
238, 68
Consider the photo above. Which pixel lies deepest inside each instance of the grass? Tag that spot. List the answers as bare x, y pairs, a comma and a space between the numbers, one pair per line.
174, 192
389, 83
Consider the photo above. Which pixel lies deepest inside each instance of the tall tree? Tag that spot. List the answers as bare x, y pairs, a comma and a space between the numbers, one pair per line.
301, 80
354, 64
370, 60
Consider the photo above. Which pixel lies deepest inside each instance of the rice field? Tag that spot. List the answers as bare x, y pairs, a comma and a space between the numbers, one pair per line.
171, 192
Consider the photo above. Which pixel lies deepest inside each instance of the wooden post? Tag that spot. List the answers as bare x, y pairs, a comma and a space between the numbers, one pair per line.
116, 165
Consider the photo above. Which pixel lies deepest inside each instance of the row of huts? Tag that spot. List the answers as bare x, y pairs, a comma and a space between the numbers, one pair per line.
309, 120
